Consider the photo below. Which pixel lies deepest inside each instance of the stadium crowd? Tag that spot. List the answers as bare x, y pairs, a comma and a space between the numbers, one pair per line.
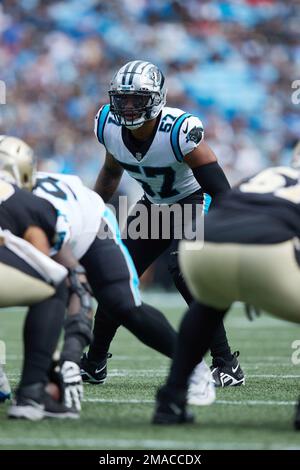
230, 62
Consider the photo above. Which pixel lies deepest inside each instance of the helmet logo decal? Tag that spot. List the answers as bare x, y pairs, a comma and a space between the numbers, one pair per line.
154, 75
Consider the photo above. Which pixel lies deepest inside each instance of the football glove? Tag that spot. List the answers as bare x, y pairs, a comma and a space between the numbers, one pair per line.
73, 388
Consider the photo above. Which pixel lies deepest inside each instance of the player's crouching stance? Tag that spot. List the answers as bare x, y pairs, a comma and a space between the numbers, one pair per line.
164, 150
31, 278
251, 254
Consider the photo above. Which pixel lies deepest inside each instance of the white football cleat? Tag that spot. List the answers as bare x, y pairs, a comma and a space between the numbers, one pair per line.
5, 390
201, 391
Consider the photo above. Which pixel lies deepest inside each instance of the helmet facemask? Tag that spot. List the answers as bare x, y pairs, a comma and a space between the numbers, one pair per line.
137, 94
132, 109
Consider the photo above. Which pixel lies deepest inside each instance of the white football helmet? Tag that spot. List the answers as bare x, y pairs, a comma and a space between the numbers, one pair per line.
17, 159
137, 93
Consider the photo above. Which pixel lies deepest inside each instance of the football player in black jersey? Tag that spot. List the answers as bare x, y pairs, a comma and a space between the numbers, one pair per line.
31, 278
251, 254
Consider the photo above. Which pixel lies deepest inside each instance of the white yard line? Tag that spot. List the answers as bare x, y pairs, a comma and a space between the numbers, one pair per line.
118, 401
273, 376
218, 402
161, 373
256, 402
99, 443
130, 373
249, 360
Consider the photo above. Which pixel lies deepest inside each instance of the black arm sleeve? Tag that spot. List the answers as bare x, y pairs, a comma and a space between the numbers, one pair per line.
212, 179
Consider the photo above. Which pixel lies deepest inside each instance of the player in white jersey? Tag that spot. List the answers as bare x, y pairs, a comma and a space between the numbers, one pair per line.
92, 231
159, 165
163, 149
76, 204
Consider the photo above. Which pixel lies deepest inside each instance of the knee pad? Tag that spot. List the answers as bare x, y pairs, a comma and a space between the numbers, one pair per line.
78, 325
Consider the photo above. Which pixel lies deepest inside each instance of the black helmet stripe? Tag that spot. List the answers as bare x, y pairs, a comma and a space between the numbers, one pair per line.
134, 70
125, 72
162, 80
145, 65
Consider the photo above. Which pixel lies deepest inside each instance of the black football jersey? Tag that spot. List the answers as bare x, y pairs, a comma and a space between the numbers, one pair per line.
262, 209
19, 209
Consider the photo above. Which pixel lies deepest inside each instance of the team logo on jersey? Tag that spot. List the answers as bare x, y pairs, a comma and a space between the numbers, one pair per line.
195, 135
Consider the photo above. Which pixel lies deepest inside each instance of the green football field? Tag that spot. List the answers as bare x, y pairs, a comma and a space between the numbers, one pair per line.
117, 415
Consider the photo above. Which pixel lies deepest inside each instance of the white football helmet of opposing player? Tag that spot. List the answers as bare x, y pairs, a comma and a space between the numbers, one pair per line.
17, 159
137, 93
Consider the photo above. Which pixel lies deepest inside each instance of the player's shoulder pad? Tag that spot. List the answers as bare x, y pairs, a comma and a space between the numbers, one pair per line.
186, 134
100, 121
